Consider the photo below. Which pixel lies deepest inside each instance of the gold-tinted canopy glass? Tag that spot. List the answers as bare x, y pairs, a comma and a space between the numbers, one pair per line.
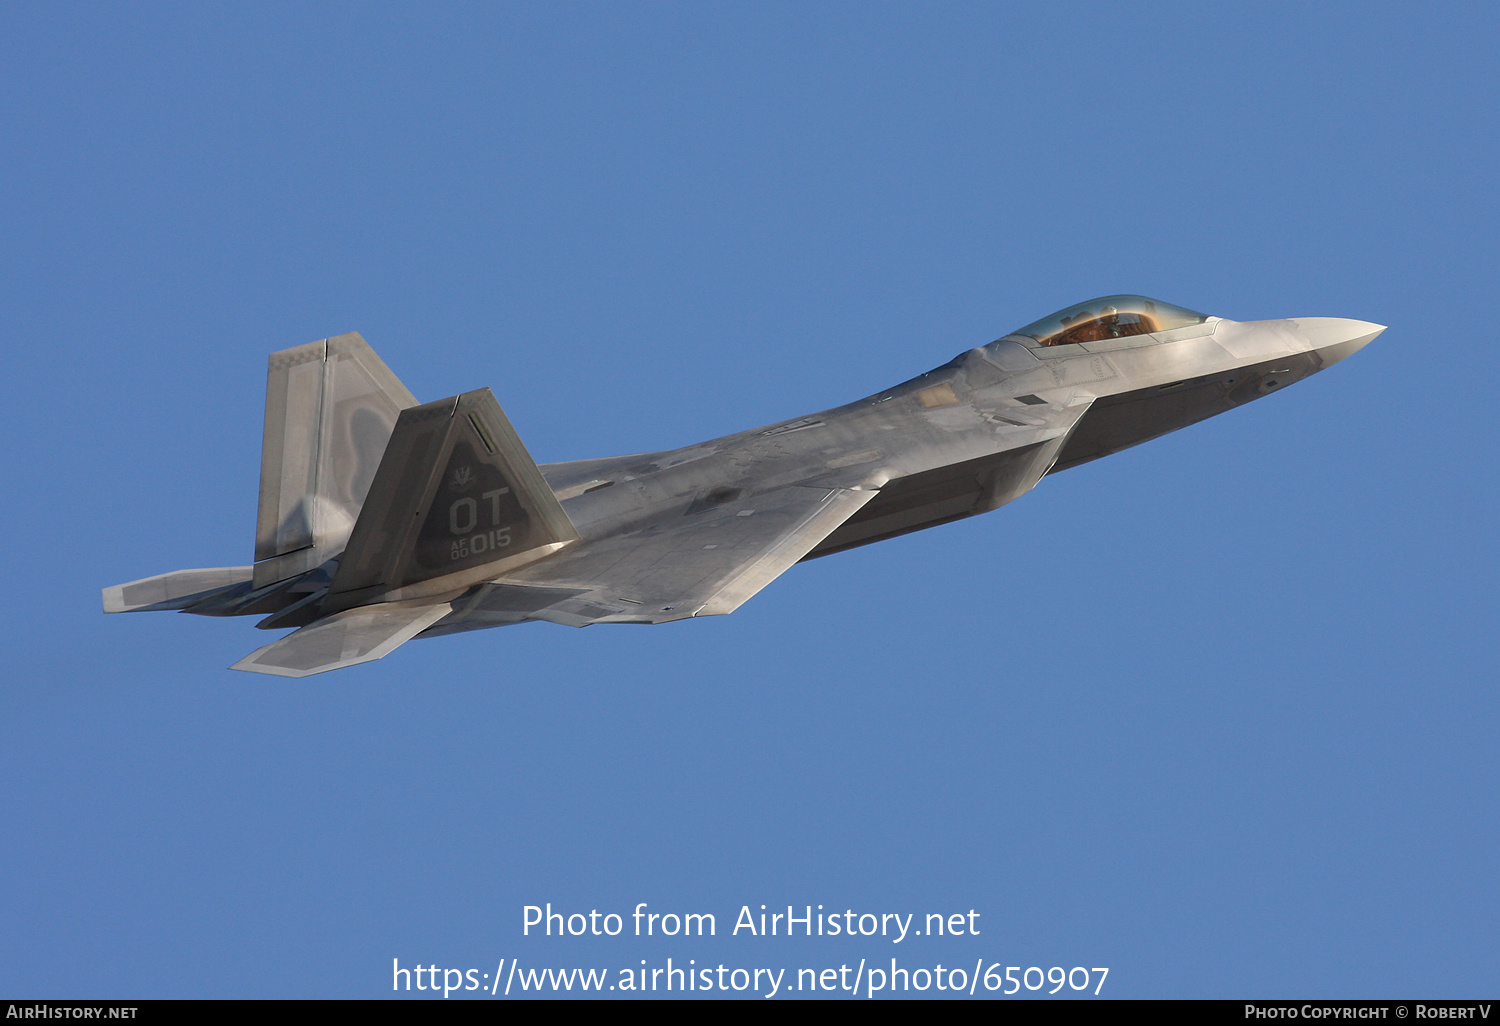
1109, 317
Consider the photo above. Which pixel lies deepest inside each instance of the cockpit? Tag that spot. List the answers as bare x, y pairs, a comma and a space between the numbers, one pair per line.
1109, 317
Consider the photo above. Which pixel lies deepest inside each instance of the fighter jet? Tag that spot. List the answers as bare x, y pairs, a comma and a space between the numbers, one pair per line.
382, 519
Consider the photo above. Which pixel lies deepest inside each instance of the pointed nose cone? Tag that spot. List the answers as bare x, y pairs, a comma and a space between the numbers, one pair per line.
1337, 337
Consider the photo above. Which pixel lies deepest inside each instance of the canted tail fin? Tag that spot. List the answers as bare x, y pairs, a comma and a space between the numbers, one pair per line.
417, 502
330, 408
457, 500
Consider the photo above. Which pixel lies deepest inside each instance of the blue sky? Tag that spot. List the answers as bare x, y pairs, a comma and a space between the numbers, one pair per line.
1217, 713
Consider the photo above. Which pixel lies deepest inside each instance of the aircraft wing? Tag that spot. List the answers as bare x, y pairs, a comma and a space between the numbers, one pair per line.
674, 567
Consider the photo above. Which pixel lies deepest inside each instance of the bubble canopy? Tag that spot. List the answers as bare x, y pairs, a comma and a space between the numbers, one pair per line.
1109, 317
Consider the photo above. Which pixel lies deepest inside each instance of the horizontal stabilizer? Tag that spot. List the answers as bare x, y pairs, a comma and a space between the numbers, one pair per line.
176, 590
343, 639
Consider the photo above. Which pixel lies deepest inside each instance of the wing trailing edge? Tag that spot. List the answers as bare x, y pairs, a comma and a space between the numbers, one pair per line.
674, 567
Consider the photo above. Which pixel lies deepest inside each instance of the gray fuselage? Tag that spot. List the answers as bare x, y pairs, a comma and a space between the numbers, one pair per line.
972, 434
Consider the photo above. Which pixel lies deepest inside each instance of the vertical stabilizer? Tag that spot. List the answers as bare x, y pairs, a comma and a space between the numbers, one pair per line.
330, 409
457, 501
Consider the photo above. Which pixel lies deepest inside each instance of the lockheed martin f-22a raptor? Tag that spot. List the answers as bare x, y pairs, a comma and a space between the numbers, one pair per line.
382, 519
